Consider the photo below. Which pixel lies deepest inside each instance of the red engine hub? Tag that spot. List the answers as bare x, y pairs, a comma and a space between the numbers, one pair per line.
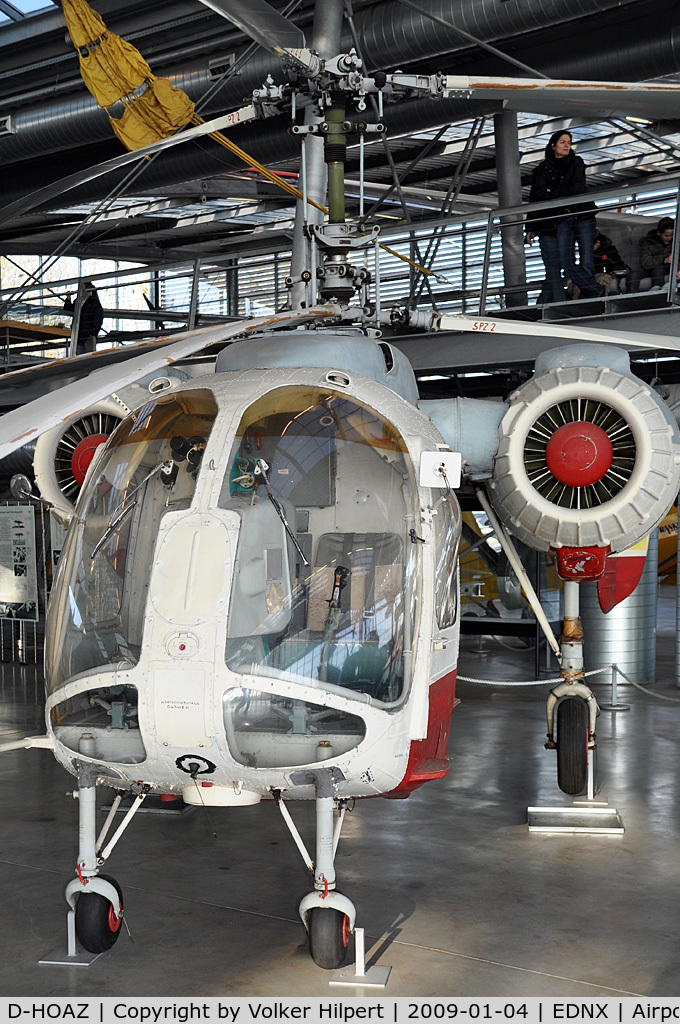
83, 455
579, 454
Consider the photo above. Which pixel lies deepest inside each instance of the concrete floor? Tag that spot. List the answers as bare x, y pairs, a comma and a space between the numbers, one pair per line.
453, 891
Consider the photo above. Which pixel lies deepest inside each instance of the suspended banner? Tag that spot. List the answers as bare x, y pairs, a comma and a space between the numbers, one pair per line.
18, 569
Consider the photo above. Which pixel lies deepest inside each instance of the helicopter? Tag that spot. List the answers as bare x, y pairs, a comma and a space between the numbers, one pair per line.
258, 595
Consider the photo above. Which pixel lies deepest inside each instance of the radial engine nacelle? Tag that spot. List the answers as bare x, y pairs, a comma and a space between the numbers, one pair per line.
584, 455
63, 454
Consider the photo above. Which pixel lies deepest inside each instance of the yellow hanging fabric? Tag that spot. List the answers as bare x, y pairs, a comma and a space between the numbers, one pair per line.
114, 71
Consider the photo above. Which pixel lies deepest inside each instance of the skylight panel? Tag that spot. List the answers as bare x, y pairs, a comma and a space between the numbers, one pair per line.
15, 10
31, 6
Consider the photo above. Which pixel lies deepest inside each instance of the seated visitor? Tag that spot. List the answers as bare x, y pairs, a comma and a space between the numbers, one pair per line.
610, 270
655, 252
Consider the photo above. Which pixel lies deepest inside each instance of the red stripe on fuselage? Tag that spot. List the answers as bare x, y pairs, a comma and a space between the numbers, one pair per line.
427, 758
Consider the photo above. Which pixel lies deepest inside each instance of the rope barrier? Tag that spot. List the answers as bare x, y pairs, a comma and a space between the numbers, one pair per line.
644, 689
530, 682
559, 679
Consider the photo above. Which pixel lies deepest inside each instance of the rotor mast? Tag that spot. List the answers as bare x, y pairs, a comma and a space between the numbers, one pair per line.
326, 39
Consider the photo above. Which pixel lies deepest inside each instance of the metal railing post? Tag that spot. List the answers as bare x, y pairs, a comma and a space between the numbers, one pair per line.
673, 296
615, 706
485, 265
75, 324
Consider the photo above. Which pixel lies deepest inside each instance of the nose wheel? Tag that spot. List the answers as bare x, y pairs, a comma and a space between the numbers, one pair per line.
97, 899
572, 745
329, 932
98, 924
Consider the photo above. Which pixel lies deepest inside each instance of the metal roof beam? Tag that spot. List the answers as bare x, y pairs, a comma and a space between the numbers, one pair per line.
11, 11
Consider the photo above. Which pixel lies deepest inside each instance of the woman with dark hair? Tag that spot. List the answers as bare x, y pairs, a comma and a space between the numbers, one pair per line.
559, 175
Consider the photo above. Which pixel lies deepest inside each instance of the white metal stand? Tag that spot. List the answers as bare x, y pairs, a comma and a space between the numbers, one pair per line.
356, 973
595, 818
615, 706
586, 814
73, 955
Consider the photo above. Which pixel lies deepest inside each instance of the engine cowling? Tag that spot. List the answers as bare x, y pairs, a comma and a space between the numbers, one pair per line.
588, 455
63, 454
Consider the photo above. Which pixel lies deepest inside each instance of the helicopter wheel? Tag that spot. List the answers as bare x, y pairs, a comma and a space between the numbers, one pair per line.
97, 926
572, 745
328, 937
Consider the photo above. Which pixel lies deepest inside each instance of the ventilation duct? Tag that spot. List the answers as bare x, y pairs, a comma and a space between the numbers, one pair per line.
390, 35
641, 44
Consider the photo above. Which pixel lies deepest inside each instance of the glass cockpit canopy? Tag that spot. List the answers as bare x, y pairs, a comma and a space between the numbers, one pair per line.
324, 587
150, 468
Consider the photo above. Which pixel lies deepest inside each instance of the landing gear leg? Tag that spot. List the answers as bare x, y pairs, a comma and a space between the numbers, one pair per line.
577, 710
328, 916
96, 899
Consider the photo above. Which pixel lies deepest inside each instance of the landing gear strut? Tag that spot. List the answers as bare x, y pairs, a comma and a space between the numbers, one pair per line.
577, 708
97, 899
328, 916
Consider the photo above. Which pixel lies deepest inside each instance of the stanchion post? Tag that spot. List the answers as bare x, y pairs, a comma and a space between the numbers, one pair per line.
72, 945
360, 952
615, 706
591, 773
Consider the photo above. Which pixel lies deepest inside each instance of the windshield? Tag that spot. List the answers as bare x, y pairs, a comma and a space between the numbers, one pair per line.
324, 580
149, 468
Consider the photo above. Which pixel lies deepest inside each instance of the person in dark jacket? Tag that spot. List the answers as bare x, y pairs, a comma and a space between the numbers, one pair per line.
91, 318
559, 175
609, 267
655, 251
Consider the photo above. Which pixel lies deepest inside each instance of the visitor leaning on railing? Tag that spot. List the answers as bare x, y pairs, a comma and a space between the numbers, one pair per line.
559, 175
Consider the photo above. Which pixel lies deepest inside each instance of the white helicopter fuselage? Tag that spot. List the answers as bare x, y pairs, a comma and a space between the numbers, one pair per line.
255, 584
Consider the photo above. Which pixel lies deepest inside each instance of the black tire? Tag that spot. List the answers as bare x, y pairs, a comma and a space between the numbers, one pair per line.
328, 937
572, 745
96, 925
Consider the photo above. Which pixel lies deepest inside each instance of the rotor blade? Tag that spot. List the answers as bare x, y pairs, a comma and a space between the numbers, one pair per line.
23, 425
56, 188
651, 100
261, 22
573, 333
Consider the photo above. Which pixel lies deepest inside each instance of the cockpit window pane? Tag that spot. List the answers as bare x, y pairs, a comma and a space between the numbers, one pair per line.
446, 520
324, 581
149, 468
